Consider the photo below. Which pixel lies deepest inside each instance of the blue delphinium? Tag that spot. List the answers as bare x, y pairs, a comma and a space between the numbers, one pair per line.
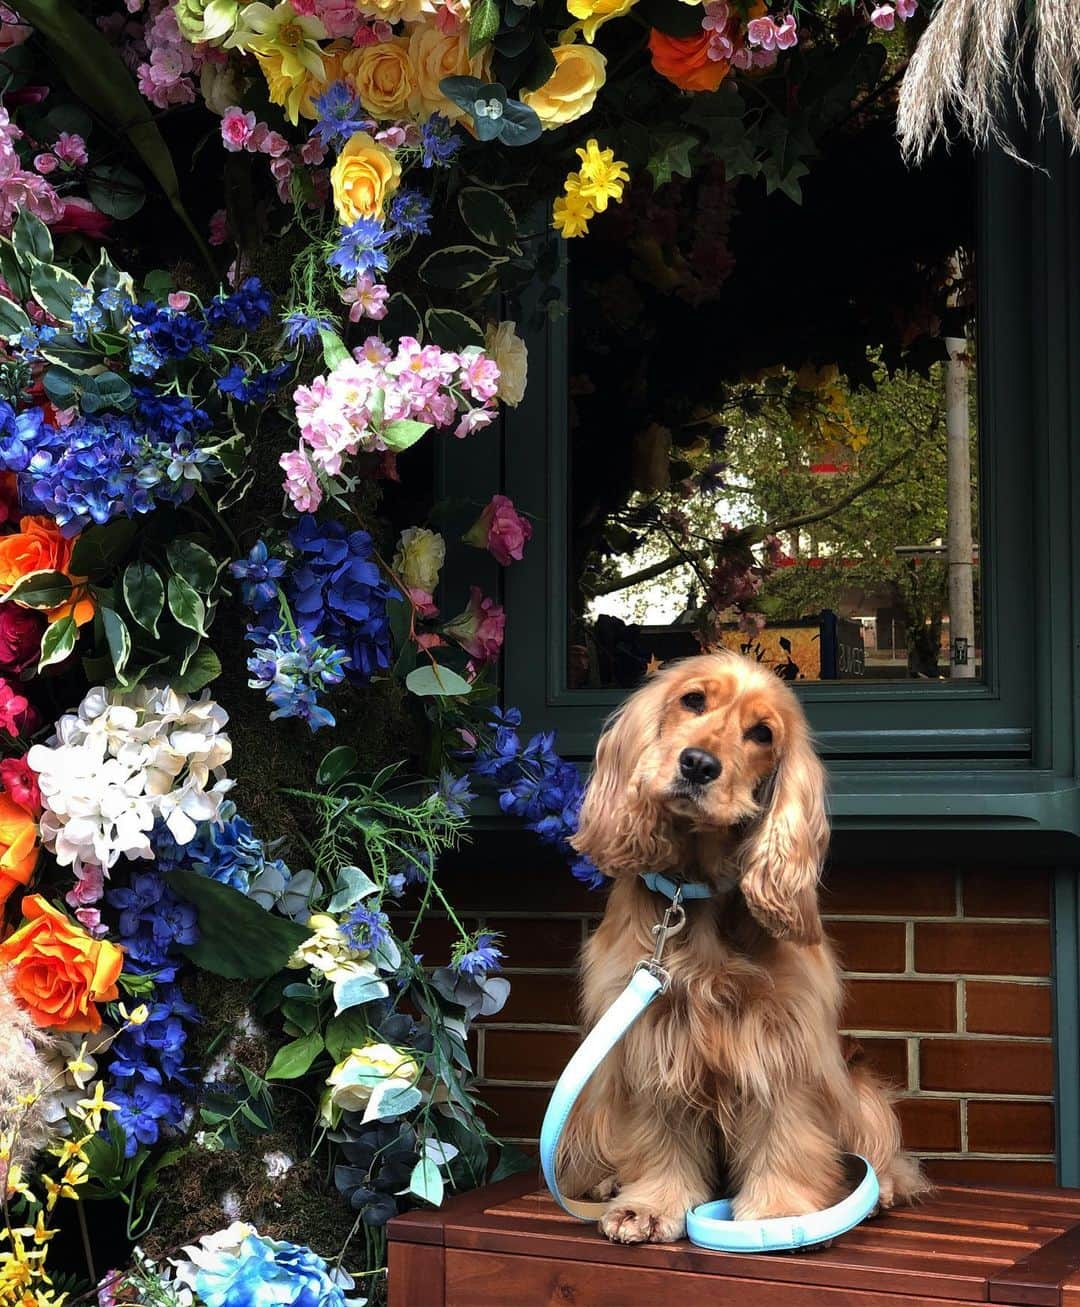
360, 249
338, 115
478, 956
253, 387
438, 142
171, 333
295, 668
410, 214
248, 306
535, 784
337, 592
262, 1272
258, 575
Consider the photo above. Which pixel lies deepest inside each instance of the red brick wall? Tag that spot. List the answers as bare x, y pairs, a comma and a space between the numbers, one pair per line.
948, 993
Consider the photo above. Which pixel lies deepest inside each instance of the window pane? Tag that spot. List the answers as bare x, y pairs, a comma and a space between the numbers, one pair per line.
773, 428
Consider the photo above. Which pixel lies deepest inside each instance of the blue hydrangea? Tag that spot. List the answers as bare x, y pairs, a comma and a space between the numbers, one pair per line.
339, 115
20, 434
265, 1272
360, 249
171, 333
337, 593
227, 850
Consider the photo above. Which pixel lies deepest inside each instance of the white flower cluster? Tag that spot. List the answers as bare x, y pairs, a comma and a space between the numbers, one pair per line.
123, 761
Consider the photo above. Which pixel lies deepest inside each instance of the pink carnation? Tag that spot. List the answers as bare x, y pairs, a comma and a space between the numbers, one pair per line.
70, 148
502, 530
46, 163
479, 629
88, 888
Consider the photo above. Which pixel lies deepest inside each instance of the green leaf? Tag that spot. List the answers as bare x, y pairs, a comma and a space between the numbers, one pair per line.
237, 938
336, 765
13, 272
96, 73
426, 1182
429, 680
106, 390
484, 20
13, 320
334, 351
512, 1161
58, 642
452, 330
353, 884
61, 386
292, 1060
195, 564
391, 1100
457, 267
354, 991
488, 216
31, 238
402, 318
670, 156
99, 548
203, 667
346, 1032
144, 594
186, 605
403, 433
40, 590
116, 190
54, 289
118, 638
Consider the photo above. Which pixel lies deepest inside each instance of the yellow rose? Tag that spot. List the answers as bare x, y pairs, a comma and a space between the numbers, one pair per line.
363, 179
397, 11
383, 77
594, 13
353, 1080
570, 91
419, 556
435, 55
327, 951
505, 346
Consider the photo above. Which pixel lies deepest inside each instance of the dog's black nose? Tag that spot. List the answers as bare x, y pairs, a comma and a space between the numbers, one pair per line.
699, 766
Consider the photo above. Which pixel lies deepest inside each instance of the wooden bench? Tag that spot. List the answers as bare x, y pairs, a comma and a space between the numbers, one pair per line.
510, 1246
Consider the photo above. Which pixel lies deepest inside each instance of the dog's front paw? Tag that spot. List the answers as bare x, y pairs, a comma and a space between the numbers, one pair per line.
639, 1223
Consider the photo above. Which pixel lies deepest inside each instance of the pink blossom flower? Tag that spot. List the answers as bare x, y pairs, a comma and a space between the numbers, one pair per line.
17, 713
905, 9
884, 17
88, 888
501, 530
429, 640
236, 128
480, 628
70, 148
20, 782
474, 420
392, 137
423, 603
90, 920
274, 144
479, 374
46, 163
219, 227
312, 151
305, 7
761, 32
179, 300
787, 33
301, 481
367, 298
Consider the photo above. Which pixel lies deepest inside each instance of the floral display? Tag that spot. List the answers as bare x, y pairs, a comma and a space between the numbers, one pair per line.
260, 273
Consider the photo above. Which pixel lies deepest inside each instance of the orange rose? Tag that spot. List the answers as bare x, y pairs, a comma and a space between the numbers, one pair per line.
38, 546
57, 971
684, 60
18, 847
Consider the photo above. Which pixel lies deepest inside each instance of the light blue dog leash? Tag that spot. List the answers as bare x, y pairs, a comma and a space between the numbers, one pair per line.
709, 1225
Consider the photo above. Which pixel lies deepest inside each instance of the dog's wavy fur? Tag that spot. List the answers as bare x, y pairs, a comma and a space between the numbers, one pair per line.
734, 1079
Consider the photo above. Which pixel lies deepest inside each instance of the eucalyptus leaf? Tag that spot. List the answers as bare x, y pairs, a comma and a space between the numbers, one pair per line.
391, 1098
354, 991
353, 884
426, 1182
436, 680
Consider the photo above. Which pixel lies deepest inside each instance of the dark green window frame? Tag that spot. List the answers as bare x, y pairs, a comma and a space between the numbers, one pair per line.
997, 754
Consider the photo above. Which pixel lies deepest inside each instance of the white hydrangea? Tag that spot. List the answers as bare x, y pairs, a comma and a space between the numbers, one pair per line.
124, 760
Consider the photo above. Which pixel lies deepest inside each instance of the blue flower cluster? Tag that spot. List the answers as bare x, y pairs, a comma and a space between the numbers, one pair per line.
535, 784
165, 333
295, 668
359, 250
254, 387
365, 929
339, 115
147, 1061
247, 307
228, 851
438, 142
410, 214
265, 1272
338, 594
108, 464
479, 956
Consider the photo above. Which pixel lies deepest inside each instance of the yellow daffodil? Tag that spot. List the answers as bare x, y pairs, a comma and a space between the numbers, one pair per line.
602, 175
282, 33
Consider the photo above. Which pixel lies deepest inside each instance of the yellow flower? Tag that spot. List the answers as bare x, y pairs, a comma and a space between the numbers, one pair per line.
602, 175
571, 212
91, 1109
67, 1149
435, 54
283, 34
383, 77
570, 91
418, 558
505, 346
294, 94
136, 1017
594, 13
364, 177
354, 1079
16, 1182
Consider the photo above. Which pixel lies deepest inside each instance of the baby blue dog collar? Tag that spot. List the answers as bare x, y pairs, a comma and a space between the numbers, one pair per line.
661, 884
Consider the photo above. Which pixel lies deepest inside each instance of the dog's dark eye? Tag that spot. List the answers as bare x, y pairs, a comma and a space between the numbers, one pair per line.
694, 701
760, 734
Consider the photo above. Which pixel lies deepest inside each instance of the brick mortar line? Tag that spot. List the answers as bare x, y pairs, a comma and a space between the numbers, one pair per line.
933, 1095
913, 919
950, 976
974, 1036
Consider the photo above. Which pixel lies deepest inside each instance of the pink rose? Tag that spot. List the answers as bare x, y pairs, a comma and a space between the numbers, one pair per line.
479, 629
21, 630
236, 128
502, 530
884, 18
20, 781
70, 148
17, 713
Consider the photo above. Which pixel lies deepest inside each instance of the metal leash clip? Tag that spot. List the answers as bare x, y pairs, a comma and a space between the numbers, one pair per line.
673, 921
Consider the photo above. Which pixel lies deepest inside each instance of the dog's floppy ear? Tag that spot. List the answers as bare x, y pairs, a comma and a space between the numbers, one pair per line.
782, 855
619, 828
